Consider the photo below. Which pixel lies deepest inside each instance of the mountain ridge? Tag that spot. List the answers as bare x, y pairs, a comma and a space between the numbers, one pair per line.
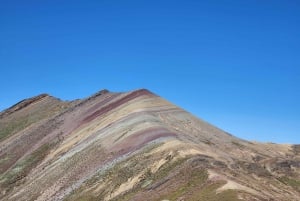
131, 146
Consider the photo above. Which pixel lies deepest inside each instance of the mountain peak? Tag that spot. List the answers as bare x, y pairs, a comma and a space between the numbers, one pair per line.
134, 146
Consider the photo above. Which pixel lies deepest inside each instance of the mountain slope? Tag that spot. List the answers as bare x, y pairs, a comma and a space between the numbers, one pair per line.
134, 146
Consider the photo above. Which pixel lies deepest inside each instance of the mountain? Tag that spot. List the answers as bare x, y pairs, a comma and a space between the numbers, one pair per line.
134, 146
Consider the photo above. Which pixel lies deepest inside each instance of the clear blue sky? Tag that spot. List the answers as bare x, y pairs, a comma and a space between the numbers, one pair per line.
235, 64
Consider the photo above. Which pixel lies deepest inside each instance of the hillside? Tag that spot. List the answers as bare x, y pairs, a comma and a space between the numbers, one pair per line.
134, 146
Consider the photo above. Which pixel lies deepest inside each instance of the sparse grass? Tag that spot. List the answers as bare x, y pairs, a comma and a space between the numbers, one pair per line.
13, 127
23, 167
166, 169
208, 142
4, 159
86, 197
114, 177
296, 149
290, 182
156, 179
254, 168
196, 178
238, 144
208, 193
198, 188
193, 182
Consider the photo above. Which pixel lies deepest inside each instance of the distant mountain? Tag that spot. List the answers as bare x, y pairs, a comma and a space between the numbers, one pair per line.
134, 146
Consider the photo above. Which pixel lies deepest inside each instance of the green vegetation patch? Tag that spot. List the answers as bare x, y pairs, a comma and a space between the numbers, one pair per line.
290, 182
195, 186
22, 168
151, 181
195, 178
15, 126
12, 125
208, 193
4, 159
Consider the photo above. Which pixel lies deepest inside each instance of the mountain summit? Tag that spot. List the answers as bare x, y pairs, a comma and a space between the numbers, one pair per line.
134, 146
